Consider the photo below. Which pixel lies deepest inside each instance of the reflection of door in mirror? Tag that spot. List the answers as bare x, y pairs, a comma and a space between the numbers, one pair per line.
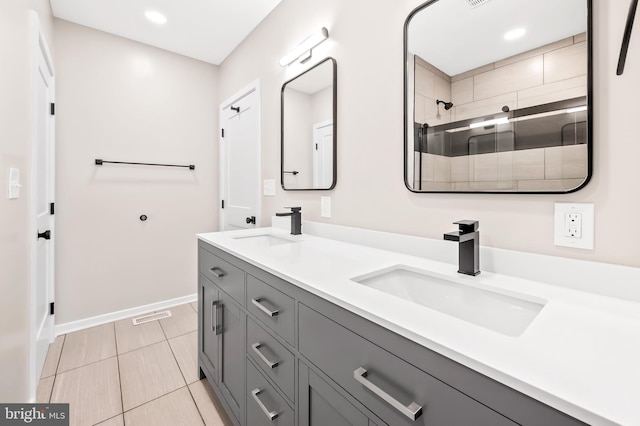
500, 103
308, 124
322, 154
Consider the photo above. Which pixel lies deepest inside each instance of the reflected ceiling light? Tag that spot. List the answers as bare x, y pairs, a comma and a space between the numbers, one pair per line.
303, 50
514, 34
502, 120
155, 17
577, 109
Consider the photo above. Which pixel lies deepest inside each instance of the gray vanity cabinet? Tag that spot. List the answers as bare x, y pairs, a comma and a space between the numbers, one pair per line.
232, 348
207, 321
321, 404
277, 355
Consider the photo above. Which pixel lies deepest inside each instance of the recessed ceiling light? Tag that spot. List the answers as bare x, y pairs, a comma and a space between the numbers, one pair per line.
155, 16
514, 34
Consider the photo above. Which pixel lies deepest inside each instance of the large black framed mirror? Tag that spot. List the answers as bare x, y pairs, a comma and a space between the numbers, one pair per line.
498, 96
308, 129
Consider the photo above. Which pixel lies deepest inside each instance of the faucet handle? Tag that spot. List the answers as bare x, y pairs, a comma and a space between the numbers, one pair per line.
466, 226
294, 209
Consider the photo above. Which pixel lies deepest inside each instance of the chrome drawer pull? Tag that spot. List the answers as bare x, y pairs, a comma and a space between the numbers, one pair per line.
264, 308
270, 414
413, 410
219, 273
270, 364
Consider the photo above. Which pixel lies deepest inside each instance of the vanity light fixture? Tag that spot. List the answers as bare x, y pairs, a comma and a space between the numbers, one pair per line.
515, 33
501, 120
303, 50
155, 17
576, 109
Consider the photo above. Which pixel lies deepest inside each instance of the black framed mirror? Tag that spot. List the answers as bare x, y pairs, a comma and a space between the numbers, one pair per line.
498, 96
308, 129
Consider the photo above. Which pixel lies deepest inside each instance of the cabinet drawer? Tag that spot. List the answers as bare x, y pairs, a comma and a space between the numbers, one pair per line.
228, 277
272, 357
264, 405
274, 308
387, 385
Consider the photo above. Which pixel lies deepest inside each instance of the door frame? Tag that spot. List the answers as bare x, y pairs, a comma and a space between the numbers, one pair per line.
254, 86
315, 156
39, 45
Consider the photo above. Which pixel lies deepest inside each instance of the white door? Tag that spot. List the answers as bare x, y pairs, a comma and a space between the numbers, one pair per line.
42, 193
323, 155
240, 160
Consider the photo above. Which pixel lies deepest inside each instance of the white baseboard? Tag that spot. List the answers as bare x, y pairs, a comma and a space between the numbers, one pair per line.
70, 327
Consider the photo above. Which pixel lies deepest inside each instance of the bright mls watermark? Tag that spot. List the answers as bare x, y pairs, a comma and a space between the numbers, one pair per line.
34, 414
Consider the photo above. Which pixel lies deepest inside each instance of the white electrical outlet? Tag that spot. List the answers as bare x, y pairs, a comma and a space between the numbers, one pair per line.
325, 206
574, 225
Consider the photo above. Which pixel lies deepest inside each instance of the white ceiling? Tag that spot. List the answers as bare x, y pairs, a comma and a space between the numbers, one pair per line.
207, 30
454, 37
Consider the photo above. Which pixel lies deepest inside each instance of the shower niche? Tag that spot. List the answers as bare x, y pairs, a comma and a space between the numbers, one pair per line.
498, 96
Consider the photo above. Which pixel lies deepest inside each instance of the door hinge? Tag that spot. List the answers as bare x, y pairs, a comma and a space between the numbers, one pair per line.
51, 308
223, 204
223, 133
53, 108
52, 208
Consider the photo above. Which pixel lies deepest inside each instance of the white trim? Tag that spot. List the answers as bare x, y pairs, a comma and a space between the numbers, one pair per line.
254, 86
82, 324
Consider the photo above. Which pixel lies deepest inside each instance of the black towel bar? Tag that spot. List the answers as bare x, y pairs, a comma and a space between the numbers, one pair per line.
100, 162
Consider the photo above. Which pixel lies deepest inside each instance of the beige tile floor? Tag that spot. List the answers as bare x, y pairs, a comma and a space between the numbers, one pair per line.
119, 374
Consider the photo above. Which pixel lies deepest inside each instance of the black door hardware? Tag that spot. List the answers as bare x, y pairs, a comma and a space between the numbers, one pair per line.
46, 234
236, 109
251, 220
143, 217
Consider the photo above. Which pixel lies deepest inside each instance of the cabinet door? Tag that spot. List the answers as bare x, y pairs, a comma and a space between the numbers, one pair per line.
322, 405
209, 327
232, 359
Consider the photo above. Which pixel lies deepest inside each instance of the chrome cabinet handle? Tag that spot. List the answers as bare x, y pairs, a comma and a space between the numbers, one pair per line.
256, 349
271, 415
413, 410
215, 327
219, 273
264, 308
214, 309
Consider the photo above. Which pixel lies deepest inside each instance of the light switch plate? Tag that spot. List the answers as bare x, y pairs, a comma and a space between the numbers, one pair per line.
13, 183
574, 225
325, 206
269, 187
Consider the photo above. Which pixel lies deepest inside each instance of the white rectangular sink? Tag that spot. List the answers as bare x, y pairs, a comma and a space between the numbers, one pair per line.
505, 312
264, 240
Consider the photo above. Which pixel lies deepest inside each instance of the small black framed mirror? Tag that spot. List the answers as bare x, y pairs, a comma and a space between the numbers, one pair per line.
498, 96
308, 129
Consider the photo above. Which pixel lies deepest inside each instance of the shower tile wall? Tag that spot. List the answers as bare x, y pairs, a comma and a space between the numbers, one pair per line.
543, 169
550, 73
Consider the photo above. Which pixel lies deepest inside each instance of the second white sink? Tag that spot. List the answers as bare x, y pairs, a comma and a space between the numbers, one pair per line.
509, 314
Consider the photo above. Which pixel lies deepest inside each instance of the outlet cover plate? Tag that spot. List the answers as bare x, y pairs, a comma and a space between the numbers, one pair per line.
325, 206
586, 234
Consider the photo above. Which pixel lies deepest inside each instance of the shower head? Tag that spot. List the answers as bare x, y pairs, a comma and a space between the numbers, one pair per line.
447, 105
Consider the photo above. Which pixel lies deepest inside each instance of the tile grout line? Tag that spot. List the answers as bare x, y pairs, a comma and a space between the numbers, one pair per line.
115, 338
196, 404
55, 375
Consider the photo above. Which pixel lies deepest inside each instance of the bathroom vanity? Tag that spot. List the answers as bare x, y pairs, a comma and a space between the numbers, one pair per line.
303, 330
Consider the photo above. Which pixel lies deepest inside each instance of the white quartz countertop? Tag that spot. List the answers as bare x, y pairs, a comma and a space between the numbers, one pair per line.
580, 355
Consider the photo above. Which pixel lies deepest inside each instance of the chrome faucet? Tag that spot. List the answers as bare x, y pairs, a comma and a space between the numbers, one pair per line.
296, 219
468, 239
